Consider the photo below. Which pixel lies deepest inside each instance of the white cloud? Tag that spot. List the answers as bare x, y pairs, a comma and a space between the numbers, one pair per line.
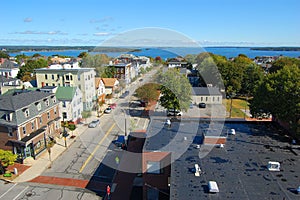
41, 33
102, 20
27, 19
101, 34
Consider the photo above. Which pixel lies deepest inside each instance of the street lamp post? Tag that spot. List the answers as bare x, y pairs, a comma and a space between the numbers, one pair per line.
64, 133
125, 131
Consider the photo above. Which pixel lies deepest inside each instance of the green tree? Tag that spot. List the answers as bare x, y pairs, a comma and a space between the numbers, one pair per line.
30, 66
36, 55
279, 95
3, 54
83, 54
284, 61
98, 61
109, 72
72, 127
86, 114
7, 157
21, 58
175, 90
148, 92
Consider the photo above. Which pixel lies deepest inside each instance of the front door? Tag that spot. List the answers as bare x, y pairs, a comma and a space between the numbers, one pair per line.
28, 151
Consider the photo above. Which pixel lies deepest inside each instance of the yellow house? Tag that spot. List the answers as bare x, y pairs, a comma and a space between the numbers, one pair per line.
83, 78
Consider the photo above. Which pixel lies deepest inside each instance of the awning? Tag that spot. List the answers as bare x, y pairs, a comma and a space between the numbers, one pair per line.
32, 135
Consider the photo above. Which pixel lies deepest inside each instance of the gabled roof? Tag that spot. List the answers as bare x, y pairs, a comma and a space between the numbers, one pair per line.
97, 82
109, 82
9, 65
3, 79
205, 91
65, 93
20, 99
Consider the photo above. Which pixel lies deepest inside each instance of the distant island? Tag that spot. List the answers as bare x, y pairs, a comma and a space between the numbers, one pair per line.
275, 48
14, 49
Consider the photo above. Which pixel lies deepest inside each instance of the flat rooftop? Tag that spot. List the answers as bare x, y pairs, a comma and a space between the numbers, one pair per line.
240, 168
181, 134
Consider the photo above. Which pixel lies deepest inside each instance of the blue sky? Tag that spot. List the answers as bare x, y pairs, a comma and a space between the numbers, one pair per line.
209, 22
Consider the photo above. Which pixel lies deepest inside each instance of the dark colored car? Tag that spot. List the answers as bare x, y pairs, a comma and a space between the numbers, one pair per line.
202, 105
120, 142
125, 94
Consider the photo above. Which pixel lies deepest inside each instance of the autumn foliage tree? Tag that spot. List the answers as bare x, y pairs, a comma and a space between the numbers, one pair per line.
148, 92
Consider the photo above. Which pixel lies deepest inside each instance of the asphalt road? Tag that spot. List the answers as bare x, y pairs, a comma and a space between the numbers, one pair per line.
91, 157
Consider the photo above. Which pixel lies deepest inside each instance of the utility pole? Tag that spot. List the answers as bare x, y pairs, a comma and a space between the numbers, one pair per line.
64, 133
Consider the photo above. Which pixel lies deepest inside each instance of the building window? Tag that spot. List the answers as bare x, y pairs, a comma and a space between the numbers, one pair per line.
24, 129
206, 99
213, 99
47, 102
48, 115
26, 112
64, 114
46, 76
55, 111
41, 120
153, 167
54, 99
218, 99
32, 125
78, 78
67, 77
8, 117
47, 84
64, 104
52, 76
53, 84
56, 125
10, 133
38, 106
57, 76
71, 77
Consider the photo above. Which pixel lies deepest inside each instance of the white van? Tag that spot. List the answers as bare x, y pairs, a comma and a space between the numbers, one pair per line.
213, 187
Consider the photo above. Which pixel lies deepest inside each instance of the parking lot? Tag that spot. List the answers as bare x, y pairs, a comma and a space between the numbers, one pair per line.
240, 168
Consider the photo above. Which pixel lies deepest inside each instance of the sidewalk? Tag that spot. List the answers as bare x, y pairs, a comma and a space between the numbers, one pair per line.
43, 161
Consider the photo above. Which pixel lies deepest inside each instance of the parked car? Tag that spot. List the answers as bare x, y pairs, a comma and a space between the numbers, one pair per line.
231, 131
94, 123
113, 105
120, 142
125, 94
176, 113
108, 110
202, 105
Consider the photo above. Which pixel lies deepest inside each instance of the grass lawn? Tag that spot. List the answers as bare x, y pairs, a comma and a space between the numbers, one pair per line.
237, 105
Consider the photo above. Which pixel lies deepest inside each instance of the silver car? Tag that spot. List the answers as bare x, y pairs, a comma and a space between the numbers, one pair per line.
94, 123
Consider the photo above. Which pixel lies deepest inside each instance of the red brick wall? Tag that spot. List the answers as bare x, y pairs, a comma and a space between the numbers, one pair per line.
4, 137
159, 181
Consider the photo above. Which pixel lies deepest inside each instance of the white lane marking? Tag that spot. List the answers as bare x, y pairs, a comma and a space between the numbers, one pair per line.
7, 191
145, 124
21, 193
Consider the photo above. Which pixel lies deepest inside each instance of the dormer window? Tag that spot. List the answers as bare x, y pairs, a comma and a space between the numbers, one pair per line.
38, 106
26, 112
8, 117
53, 99
46, 102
